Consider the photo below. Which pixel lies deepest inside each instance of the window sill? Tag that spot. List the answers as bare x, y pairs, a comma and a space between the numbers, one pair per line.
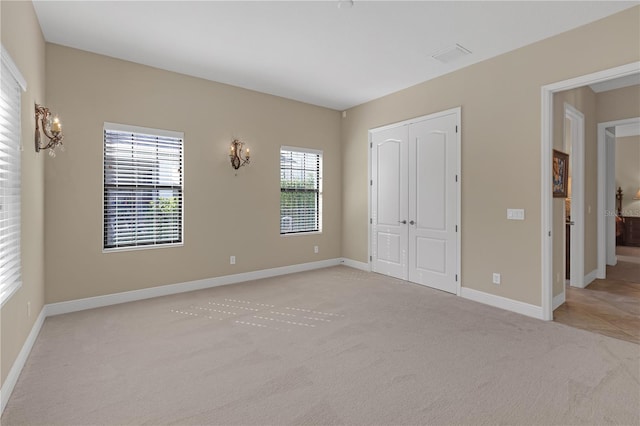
138, 248
301, 234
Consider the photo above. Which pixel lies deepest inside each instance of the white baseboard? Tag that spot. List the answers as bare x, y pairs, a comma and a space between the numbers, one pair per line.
558, 300
16, 368
165, 290
502, 302
355, 264
590, 277
632, 259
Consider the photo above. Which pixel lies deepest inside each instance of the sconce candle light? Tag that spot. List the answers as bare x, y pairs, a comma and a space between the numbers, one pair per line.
52, 129
236, 156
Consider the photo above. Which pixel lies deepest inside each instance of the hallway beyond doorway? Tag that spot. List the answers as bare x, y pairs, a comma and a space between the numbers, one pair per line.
610, 307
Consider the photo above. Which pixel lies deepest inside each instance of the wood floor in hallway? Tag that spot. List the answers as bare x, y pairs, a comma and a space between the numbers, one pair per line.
610, 307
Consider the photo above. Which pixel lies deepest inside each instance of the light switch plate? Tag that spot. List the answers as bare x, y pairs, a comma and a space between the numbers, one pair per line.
515, 214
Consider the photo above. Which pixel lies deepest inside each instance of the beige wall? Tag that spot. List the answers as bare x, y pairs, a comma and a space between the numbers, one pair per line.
500, 100
628, 173
584, 100
618, 104
224, 214
22, 38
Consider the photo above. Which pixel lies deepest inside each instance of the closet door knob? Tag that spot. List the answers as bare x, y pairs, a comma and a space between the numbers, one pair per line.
412, 223
404, 222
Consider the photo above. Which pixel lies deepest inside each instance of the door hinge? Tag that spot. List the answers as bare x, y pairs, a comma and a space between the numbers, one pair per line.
370, 258
456, 228
370, 144
456, 277
371, 221
456, 178
371, 182
456, 129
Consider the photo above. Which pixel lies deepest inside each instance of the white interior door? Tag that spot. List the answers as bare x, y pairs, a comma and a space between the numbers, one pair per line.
610, 199
433, 195
389, 204
415, 200
574, 135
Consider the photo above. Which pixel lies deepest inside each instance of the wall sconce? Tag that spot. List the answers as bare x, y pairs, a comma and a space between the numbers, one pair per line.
235, 154
52, 129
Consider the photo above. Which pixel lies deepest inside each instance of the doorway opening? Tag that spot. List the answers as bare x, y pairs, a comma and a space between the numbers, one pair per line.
547, 204
615, 171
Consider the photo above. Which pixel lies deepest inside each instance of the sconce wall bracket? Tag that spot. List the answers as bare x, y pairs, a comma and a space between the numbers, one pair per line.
235, 154
52, 129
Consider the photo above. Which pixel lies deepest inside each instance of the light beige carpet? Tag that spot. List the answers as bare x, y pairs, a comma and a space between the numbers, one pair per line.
333, 346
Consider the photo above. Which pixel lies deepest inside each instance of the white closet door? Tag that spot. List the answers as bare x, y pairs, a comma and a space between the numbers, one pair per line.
389, 202
433, 160
414, 200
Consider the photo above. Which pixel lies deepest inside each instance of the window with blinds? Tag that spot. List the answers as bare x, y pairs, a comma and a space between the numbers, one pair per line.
300, 190
11, 86
143, 182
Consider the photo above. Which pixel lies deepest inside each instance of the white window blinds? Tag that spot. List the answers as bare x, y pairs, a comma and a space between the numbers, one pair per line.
143, 182
10, 152
300, 190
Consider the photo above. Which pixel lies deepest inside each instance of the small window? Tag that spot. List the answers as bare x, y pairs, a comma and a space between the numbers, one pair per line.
143, 182
300, 190
12, 84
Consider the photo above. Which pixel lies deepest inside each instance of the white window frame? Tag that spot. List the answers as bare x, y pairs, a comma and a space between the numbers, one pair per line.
146, 131
320, 154
9, 287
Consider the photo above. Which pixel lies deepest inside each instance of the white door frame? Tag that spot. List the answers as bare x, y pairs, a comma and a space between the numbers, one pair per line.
608, 194
458, 112
546, 145
607, 197
576, 250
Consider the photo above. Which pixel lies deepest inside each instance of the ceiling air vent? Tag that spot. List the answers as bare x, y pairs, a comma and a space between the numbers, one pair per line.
450, 54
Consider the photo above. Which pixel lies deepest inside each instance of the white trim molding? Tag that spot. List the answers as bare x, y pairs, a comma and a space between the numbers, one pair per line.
165, 290
356, 264
502, 302
559, 300
13, 68
576, 254
18, 364
590, 277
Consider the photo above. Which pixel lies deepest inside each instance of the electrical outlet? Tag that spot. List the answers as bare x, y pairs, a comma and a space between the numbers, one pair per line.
29, 309
496, 278
232, 260
315, 249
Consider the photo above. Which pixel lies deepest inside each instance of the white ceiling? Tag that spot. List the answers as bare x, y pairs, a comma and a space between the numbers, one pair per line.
311, 51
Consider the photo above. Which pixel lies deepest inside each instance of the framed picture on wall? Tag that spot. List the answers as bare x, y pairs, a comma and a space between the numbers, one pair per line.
560, 170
